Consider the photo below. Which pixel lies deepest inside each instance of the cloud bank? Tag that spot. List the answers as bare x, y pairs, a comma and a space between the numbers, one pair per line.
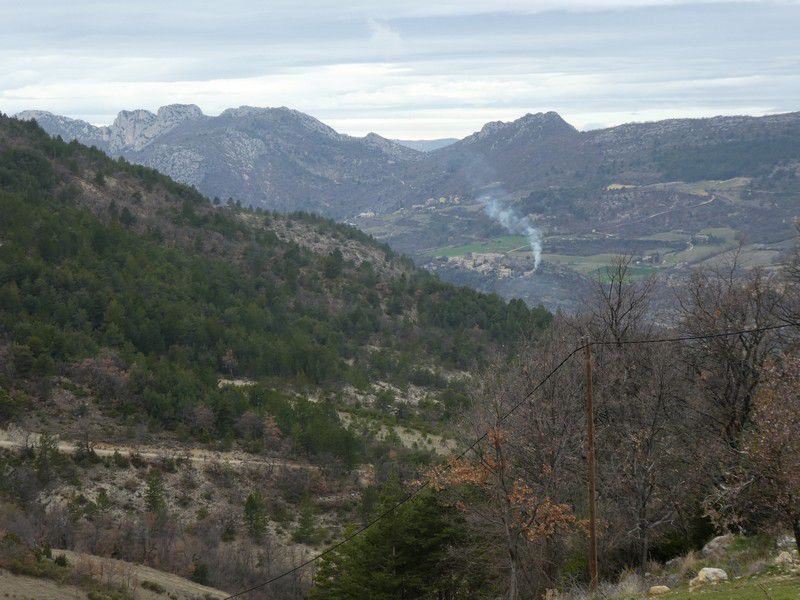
405, 69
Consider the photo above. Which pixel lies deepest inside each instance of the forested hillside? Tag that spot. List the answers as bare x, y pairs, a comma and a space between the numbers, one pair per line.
133, 311
102, 254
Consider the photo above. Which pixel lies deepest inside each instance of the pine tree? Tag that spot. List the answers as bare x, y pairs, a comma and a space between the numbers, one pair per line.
154, 494
306, 532
404, 555
255, 515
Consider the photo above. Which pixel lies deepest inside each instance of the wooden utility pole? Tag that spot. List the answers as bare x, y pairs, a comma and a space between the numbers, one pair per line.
592, 470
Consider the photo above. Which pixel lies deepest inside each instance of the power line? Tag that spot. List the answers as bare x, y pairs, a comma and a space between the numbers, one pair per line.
687, 338
411, 495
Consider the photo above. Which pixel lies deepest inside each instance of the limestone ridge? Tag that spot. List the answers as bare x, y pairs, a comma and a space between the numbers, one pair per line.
278, 158
283, 159
131, 130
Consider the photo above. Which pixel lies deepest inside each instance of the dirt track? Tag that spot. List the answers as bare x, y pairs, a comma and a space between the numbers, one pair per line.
13, 439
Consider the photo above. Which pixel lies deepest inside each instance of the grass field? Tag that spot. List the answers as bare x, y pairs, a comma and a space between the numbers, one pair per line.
504, 243
636, 272
782, 587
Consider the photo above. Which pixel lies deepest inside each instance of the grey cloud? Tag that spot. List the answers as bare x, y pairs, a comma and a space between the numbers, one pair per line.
598, 58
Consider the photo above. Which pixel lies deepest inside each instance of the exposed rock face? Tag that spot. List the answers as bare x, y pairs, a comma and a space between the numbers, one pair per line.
277, 158
69, 129
131, 131
716, 547
786, 542
708, 575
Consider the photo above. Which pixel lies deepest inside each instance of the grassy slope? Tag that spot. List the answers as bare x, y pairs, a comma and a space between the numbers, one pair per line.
776, 587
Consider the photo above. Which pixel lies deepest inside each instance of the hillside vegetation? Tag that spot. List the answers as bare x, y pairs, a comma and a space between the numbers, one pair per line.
99, 254
140, 321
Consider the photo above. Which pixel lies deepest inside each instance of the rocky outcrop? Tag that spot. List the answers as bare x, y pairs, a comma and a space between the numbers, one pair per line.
276, 158
708, 575
717, 547
787, 559
133, 130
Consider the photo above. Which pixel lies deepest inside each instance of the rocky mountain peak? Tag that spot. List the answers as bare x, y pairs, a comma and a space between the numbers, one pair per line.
281, 116
179, 112
544, 119
390, 147
135, 129
28, 115
66, 127
531, 125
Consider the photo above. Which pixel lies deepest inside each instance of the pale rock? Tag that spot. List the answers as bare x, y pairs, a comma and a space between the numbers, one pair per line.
716, 547
657, 590
786, 542
786, 559
708, 575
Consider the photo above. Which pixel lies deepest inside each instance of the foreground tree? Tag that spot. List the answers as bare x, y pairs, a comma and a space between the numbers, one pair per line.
406, 555
764, 489
641, 416
516, 489
728, 368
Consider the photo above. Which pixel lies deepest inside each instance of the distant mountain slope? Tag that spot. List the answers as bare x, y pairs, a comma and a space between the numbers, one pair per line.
631, 182
285, 160
426, 145
276, 158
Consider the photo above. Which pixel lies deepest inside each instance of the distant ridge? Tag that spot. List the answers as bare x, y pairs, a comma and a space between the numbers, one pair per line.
283, 159
424, 202
426, 145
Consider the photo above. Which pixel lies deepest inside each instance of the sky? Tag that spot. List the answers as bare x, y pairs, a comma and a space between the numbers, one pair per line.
405, 69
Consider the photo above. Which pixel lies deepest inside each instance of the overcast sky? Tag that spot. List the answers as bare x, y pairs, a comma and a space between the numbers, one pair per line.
415, 69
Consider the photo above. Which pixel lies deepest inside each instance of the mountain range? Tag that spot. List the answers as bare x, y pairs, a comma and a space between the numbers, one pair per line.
651, 189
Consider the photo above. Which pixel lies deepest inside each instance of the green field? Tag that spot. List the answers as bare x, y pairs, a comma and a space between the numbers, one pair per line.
504, 243
635, 272
769, 588
595, 265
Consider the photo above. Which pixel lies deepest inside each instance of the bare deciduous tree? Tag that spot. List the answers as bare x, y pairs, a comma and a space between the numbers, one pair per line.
728, 368
764, 488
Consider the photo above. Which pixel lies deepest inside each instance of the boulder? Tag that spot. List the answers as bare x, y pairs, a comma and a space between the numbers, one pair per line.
716, 547
786, 542
708, 575
786, 559
657, 590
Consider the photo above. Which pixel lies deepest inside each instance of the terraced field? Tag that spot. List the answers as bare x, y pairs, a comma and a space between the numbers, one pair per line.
502, 244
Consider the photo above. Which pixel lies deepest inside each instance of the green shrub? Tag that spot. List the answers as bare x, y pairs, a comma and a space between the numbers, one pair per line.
153, 586
120, 461
200, 574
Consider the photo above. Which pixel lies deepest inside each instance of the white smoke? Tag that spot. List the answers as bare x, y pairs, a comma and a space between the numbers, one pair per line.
515, 224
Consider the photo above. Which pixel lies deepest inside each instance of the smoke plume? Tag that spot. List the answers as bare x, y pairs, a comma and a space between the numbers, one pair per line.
515, 224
